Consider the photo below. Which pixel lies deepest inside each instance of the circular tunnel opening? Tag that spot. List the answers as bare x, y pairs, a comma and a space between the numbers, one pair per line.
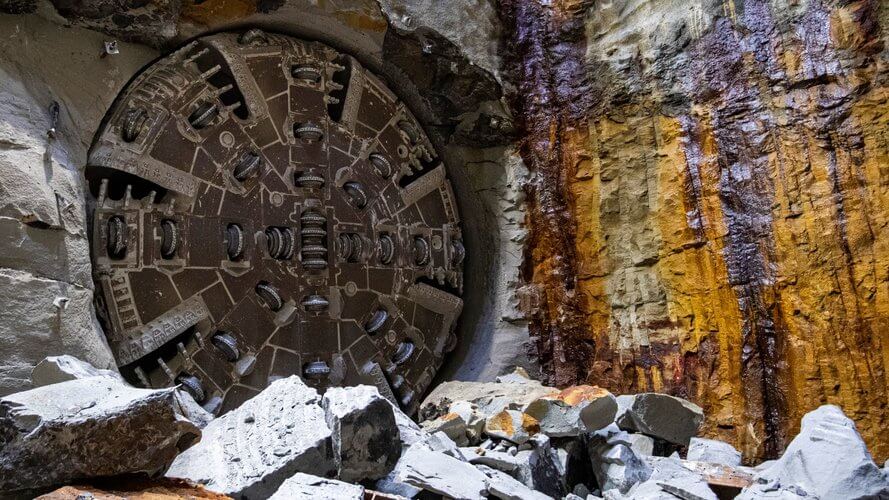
274, 190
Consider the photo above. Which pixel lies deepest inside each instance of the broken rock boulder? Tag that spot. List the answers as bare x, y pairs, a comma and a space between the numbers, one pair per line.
250, 451
441, 474
451, 424
366, 442
573, 411
615, 464
84, 428
306, 487
828, 459
713, 451
660, 415
512, 425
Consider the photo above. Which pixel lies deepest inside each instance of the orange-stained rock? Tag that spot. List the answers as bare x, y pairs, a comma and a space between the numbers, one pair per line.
709, 208
512, 425
136, 489
577, 394
573, 411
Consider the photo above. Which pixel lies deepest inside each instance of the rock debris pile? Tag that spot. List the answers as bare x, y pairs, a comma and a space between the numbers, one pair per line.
513, 439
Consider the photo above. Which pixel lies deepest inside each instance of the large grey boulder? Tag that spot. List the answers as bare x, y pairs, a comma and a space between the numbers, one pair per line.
713, 451
366, 442
56, 369
86, 428
250, 451
673, 479
441, 474
827, 459
660, 415
615, 464
307, 487
573, 411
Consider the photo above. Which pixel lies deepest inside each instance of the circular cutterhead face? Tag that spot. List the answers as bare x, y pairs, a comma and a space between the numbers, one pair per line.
263, 207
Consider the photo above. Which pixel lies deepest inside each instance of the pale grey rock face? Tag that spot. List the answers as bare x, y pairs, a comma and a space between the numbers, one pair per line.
614, 462
46, 285
502, 485
472, 25
713, 451
440, 473
55, 369
660, 415
250, 451
87, 428
828, 459
366, 441
306, 487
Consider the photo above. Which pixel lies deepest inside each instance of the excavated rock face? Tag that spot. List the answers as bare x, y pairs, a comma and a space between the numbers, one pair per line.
707, 209
264, 207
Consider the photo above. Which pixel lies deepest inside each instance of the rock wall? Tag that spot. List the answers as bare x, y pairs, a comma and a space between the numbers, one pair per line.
46, 287
708, 204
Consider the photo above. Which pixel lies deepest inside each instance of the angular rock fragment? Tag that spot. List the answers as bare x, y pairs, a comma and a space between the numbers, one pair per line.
307, 487
451, 424
190, 409
250, 451
408, 430
573, 411
641, 444
512, 425
439, 473
502, 485
475, 422
366, 442
615, 464
660, 415
540, 467
499, 460
55, 369
91, 427
828, 459
713, 451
